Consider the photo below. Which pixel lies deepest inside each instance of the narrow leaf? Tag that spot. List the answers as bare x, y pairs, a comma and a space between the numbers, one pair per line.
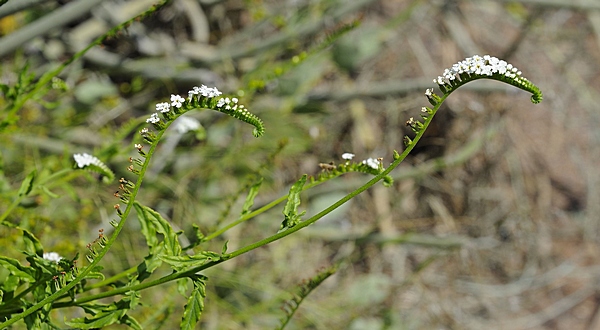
195, 304
290, 211
186, 262
99, 320
47, 191
251, 196
27, 184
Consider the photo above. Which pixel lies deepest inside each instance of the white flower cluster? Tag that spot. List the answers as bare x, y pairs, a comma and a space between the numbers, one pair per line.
204, 91
347, 156
177, 101
84, 160
52, 256
153, 119
372, 163
163, 107
477, 65
229, 104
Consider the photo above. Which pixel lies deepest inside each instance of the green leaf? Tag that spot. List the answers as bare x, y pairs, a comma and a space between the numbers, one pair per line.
151, 262
105, 315
182, 286
251, 196
292, 305
27, 184
32, 244
24, 273
148, 228
224, 249
162, 226
131, 322
290, 211
95, 273
184, 263
99, 320
47, 191
195, 304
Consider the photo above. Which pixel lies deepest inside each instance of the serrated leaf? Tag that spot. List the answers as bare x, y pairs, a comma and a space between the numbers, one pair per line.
251, 196
162, 226
290, 211
27, 184
151, 263
183, 263
195, 304
24, 273
32, 244
104, 315
147, 228
99, 320
224, 249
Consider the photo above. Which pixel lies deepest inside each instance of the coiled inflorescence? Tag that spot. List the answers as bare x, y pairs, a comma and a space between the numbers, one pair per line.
92, 163
204, 97
477, 67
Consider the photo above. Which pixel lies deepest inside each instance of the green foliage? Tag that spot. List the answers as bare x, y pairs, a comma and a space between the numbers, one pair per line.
290, 211
158, 224
195, 304
29, 293
291, 306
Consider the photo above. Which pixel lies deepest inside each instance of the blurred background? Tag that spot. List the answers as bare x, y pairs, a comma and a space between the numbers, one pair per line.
492, 222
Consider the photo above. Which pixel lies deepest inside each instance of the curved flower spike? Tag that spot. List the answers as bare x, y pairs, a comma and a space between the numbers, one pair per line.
92, 163
477, 67
209, 98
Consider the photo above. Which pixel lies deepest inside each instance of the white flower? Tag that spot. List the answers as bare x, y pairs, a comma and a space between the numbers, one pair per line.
204, 91
477, 65
84, 160
347, 156
52, 256
372, 163
185, 124
176, 101
153, 119
144, 130
163, 107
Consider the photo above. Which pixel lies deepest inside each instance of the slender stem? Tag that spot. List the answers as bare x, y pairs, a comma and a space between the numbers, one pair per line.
258, 211
270, 239
58, 294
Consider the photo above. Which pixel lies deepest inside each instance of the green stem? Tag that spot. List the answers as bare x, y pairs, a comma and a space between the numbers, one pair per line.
258, 211
20, 198
308, 222
64, 290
